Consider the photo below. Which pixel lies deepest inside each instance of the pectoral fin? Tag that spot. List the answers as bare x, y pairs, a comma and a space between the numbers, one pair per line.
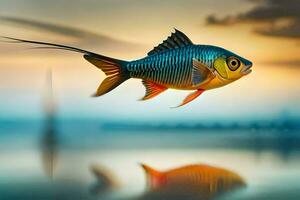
191, 97
201, 73
152, 89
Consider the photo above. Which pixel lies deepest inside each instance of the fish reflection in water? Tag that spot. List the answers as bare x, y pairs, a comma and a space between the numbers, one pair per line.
49, 141
196, 182
105, 181
61, 188
49, 148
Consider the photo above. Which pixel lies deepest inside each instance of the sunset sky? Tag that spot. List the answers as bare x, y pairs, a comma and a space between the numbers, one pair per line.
267, 32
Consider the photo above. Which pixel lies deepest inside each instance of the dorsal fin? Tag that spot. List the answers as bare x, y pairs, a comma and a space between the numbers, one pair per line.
155, 178
176, 40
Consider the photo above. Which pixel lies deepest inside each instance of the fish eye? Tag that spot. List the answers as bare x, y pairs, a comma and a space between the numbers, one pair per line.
233, 63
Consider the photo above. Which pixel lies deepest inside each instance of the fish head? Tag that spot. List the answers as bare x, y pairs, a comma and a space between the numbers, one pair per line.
231, 66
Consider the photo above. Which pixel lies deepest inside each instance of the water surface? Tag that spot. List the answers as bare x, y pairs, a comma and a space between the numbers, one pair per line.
42, 162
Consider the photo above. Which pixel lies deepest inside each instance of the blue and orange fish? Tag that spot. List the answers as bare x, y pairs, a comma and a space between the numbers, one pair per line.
176, 63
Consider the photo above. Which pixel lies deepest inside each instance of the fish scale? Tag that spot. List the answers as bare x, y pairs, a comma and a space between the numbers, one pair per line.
173, 67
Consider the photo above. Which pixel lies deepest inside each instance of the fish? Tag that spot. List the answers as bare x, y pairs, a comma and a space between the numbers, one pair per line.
176, 63
105, 180
50, 139
199, 181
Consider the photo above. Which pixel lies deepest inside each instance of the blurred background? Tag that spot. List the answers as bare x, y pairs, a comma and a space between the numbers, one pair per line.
57, 142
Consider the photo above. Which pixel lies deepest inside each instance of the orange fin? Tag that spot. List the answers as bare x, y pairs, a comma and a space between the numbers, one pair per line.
113, 69
152, 89
191, 97
155, 178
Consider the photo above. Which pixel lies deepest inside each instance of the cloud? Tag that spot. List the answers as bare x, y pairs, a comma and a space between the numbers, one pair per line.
81, 36
280, 18
292, 30
213, 20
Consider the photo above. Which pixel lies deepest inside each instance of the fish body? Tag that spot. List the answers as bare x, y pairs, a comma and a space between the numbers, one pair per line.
197, 180
173, 68
176, 63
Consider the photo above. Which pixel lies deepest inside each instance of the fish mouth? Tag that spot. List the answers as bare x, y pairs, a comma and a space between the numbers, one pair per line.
246, 70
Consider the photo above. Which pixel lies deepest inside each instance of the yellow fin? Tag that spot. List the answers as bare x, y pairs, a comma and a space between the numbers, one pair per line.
116, 75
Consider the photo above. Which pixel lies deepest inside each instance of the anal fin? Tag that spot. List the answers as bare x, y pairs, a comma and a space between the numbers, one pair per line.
152, 89
191, 97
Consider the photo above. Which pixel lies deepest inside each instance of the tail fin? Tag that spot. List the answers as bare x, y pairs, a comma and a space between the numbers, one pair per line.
115, 69
155, 178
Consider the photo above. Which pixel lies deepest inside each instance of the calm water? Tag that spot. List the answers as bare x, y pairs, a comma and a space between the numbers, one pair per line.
55, 161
